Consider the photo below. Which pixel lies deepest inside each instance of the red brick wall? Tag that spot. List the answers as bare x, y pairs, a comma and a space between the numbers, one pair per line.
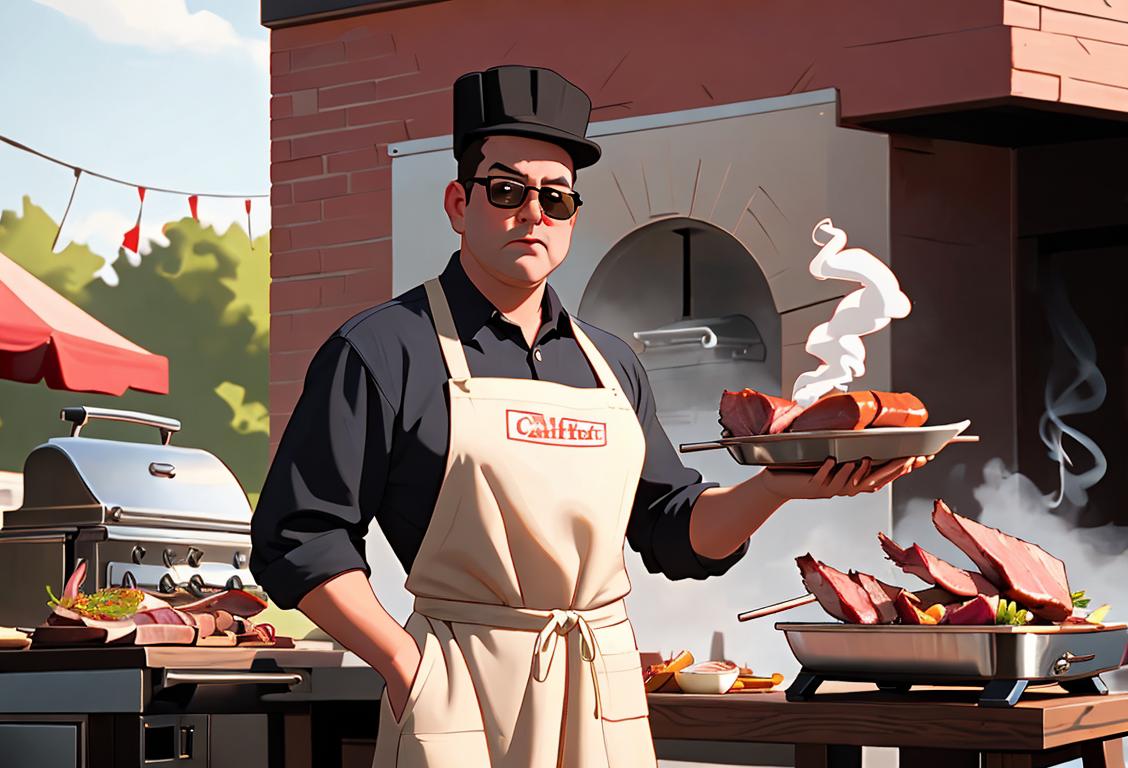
343, 89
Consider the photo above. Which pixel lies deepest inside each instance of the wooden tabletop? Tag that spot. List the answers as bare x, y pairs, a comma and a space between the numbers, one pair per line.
164, 656
941, 718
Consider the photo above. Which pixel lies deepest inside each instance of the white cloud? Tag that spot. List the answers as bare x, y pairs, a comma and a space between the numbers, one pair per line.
160, 25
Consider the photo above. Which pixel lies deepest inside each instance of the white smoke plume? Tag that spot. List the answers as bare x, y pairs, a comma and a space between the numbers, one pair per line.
837, 343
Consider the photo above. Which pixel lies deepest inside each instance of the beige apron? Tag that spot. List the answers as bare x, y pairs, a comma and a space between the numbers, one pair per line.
528, 658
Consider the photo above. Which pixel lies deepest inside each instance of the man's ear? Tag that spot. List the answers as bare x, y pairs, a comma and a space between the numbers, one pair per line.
454, 202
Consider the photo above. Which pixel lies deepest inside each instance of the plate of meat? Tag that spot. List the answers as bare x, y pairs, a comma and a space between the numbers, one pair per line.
763, 430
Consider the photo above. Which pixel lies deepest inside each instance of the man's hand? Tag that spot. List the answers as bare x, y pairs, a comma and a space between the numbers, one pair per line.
848, 479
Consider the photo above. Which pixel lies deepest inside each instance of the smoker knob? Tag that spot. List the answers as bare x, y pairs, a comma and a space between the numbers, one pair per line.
239, 560
196, 585
166, 585
138, 554
194, 556
234, 583
128, 580
167, 557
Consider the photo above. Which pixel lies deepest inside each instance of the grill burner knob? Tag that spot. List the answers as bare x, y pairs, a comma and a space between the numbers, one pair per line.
234, 583
128, 580
239, 560
167, 557
196, 585
166, 585
194, 556
138, 554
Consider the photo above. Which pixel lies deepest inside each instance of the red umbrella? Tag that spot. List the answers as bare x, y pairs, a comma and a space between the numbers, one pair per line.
44, 336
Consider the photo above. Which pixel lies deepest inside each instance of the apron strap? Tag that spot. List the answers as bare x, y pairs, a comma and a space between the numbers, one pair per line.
449, 342
603, 372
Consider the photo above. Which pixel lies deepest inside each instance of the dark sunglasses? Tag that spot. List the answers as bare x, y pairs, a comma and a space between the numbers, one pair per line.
508, 193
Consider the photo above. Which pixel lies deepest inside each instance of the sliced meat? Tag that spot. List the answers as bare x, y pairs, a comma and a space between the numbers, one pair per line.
783, 419
836, 592
235, 601
165, 634
205, 624
980, 609
170, 616
1022, 571
930, 569
907, 604
748, 412
899, 409
840, 410
881, 595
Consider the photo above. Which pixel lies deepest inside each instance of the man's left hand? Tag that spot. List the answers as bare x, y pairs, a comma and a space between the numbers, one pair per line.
831, 479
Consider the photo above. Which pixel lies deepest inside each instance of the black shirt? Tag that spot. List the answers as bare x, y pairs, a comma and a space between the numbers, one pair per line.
368, 439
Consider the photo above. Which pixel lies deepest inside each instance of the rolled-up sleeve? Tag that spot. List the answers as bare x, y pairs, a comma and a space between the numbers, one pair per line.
326, 480
667, 490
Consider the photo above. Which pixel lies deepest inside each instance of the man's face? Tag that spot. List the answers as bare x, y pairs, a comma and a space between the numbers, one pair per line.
517, 246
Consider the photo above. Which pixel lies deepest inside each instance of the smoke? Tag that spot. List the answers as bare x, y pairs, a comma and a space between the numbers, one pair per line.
1013, 503
837, 343
1084, 393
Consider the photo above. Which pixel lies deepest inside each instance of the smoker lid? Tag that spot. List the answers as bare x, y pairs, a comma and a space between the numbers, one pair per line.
77, 481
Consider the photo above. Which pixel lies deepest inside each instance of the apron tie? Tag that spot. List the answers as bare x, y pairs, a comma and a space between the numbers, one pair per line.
561, 622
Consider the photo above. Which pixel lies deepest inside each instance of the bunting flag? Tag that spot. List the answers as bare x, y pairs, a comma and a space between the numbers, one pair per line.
247, 205
77, 173
131, 239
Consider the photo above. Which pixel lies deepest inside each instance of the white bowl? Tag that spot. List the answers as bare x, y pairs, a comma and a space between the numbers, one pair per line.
706, 682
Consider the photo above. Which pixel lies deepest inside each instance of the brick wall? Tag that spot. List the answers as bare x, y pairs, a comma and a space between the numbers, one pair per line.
343, 89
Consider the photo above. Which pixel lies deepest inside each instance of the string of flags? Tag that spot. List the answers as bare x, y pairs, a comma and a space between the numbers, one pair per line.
131, 239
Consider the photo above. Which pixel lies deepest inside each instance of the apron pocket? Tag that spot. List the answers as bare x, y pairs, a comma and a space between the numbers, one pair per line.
426, 662
465, 749
621, 692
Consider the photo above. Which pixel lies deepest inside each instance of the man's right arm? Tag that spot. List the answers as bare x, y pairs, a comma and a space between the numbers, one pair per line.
319, 497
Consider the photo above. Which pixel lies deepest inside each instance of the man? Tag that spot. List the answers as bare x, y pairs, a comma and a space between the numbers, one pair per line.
506, 450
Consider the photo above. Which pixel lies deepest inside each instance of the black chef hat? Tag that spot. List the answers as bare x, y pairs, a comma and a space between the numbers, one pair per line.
523, 101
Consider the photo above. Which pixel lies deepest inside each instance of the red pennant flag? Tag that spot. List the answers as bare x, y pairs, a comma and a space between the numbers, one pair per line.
132, 238
193, 201
247, 205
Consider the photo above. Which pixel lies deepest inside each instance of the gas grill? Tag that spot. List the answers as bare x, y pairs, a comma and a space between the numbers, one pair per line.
163, 518
156, 516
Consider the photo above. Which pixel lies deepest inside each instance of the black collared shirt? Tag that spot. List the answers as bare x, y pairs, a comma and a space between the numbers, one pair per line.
368, 439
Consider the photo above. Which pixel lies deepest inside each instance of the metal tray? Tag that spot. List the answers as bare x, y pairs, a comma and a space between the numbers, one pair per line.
807, 449
1004, 659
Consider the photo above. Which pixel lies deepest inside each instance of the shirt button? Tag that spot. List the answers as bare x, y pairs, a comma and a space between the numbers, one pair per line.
537, 354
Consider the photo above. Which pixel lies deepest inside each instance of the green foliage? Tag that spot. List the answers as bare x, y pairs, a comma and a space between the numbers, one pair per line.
1079, 599
202, 302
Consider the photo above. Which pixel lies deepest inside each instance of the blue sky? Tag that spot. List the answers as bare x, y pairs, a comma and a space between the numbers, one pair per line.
167, 93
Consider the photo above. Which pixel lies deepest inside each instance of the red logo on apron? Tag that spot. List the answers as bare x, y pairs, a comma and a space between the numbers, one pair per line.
530, 427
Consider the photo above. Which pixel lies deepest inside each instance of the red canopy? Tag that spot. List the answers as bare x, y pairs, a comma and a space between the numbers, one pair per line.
44, 336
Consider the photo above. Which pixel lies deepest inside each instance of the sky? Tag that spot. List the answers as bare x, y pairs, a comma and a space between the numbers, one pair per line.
163, 93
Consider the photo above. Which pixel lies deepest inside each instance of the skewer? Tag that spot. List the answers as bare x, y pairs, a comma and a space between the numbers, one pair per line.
768, 610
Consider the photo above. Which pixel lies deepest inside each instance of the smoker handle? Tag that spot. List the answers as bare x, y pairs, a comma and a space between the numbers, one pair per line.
81, 415
174, 677
701, 334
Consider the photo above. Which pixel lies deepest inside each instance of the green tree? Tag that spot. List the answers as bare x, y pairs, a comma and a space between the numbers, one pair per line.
201, 301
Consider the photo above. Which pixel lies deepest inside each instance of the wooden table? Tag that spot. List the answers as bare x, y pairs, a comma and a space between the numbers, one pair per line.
930, 726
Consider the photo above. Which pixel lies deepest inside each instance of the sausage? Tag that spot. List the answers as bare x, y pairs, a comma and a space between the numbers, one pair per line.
899, 409
840, 410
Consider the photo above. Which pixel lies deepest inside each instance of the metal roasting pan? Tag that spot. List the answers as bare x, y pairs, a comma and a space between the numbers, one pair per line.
806, 449
1003, 659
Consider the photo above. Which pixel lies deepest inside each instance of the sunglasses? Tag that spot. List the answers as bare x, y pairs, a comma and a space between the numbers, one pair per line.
507, 193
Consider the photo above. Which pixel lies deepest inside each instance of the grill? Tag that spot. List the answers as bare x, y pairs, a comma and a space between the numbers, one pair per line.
161, 517
157, 516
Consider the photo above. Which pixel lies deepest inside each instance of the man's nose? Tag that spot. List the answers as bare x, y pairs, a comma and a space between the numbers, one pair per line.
531, 209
